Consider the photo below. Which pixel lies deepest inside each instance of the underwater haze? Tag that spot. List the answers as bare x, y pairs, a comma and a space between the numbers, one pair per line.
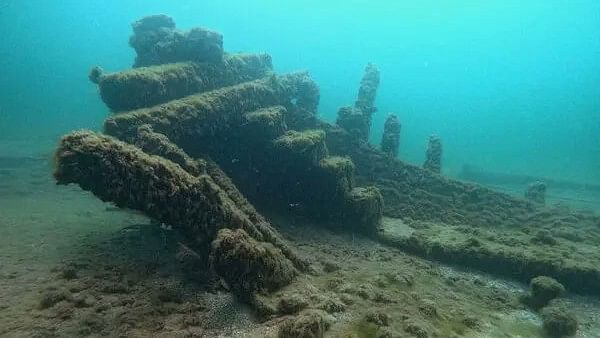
509, 86
300, 168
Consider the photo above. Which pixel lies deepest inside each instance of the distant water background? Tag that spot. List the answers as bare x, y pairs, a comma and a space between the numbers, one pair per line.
510, 86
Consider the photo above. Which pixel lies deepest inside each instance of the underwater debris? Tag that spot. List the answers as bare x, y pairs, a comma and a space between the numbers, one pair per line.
557, 322
390, 141
159, 144
247, 265
156, 41
357, 119
433, 156
125, 175
536, 192
151, 184
368, 92
353, 120
250, 140
148, 86
265, 134
328, 191
305, 95
202, 116
306, 146
338, 176
96, 74
364, 210
519, 260
265, 124
415, 193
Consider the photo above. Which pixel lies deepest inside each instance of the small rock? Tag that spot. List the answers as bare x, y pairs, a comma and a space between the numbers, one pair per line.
115, 287
558, 322
169, 293
401, 279
471, 322
378, 318
62, 311
544, 237
428, 308
347, 299
335, 283
332, 306
83, 301
543, 290
290, 304
68, 273
311, 324
330, 267
385, 333
416, 330
91, 323
52, 297
382, 297
380, 282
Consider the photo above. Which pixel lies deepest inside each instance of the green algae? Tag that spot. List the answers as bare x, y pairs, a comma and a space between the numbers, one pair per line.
125, 175
504, 252
149, 86
364, 329
199, 115
266, 123
338, 165
301, 141
390, 140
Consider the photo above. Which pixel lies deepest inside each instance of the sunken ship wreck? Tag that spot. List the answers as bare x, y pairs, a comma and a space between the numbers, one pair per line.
209, 142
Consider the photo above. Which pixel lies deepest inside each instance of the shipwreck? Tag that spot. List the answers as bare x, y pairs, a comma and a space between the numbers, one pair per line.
209, 141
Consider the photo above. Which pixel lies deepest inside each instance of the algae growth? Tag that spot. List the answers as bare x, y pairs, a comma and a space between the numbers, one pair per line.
303, 226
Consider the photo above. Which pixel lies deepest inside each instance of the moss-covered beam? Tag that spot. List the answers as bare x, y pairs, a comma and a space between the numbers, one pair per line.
265, 124
198, 117
154, 143
302, 148
125, 175
412, 192
323, 185
149, 86
507, 253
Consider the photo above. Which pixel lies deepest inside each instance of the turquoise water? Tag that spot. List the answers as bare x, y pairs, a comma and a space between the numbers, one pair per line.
510, 86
